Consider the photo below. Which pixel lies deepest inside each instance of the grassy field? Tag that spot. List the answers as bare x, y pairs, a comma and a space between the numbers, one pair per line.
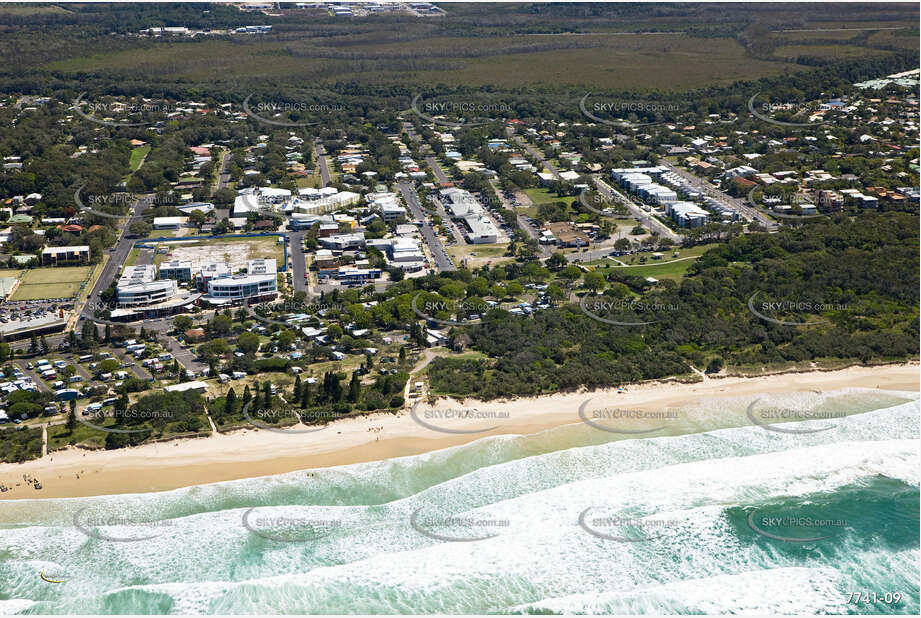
478, 255
42, 283
540, 195
137, 156
667, 268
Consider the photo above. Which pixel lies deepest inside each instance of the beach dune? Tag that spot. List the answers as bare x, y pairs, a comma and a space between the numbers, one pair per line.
250, 453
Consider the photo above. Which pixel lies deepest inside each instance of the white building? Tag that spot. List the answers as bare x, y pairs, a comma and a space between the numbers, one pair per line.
175, 269
167, 223
146, 293
465, 207
240, 287
261, 266
342, 242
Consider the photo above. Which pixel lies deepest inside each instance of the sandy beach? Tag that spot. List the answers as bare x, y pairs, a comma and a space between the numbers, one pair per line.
250, 453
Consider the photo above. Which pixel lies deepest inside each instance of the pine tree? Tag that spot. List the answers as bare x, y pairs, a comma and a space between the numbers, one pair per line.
71, 421
354, 388
403, 354
267, 395
108, 333
247, 396
33, 345
296, 395
44, 345
230, 403
307, 395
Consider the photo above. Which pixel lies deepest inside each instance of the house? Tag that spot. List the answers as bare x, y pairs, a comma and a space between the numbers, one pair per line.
194, 335
78, 254
568, 235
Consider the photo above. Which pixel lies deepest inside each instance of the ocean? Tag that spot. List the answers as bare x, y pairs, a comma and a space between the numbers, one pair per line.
574, 520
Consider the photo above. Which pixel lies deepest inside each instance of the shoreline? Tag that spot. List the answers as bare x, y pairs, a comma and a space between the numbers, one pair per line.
72, 472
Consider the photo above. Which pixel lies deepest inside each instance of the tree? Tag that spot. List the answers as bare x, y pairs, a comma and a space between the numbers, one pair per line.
248, 343
285, 339
197, 218
354, 388
182, 323
4, 352
715, 365
71, 423
267, 395
220, 324
570, 273
108, 336
334, 331
33, 345
402, 354
296, 393
140, 228
230, 402
593, 281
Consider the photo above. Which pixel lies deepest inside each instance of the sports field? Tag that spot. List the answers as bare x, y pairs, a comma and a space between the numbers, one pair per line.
47, 283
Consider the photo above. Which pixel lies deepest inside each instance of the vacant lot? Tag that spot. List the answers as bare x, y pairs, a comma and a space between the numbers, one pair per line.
475, 256
42, 283
234, 251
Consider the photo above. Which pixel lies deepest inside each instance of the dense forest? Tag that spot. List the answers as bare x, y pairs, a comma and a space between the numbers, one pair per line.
865, 269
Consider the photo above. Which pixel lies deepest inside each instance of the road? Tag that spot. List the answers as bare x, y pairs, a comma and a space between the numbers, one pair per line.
117, 258
42, 386
651, 223
224, 176
736, 204
439, 255
123, 357
325, 177
436, 169
185, 356
449, 222
298, 261
588, 256
537, 154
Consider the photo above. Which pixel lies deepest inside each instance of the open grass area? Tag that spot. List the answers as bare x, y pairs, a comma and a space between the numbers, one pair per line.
540, 195
137, 156
478, 255
60, 282
673, 264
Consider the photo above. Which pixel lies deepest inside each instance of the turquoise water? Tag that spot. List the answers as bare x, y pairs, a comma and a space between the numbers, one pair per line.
572, 520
